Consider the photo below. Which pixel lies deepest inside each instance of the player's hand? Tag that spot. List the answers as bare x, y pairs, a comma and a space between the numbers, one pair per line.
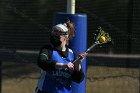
82, 56
69, 66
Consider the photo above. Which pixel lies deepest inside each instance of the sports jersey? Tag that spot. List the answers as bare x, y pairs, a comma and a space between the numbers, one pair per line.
58, 80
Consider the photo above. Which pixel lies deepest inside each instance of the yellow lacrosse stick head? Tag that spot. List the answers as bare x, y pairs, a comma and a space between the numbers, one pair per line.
103, 37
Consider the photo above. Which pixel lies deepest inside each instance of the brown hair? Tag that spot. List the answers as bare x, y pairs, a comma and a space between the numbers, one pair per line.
71, 28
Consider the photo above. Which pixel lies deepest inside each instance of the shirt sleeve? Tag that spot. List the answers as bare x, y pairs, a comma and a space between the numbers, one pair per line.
78, 76
44, 61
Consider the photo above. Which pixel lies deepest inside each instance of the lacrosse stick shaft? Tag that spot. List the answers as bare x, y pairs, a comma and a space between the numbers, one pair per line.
87, 51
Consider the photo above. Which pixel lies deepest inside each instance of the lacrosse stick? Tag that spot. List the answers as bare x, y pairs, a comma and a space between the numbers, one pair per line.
101, 38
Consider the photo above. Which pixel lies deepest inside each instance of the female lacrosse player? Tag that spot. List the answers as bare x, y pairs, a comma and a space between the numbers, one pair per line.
55, 61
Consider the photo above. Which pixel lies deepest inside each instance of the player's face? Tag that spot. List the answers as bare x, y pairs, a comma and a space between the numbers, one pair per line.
64, 38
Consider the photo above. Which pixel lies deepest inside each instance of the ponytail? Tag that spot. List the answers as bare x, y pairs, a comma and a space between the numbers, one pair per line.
71, 29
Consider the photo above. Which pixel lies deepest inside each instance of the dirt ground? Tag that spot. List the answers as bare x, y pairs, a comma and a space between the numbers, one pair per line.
22, 78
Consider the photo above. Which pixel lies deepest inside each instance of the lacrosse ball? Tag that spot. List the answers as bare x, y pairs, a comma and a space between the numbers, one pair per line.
102, 39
